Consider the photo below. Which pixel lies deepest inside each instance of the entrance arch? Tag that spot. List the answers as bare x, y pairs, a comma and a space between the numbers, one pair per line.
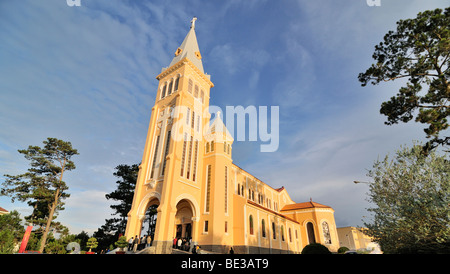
151, 199
183, 220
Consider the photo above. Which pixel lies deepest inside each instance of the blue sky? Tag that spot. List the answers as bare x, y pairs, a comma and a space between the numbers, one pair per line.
87, 75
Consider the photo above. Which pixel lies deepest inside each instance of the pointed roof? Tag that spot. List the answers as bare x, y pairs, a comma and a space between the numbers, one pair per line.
218, 130
189, 48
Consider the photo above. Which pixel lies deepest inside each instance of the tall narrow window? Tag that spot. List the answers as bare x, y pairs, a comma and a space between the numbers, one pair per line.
183, 155
196, 91
224, 146
194, 171
274, 233
239, 189
192, 121
212, 146
226, 227
189, 158
190, 84
166, 152
154, 157
326, 233
290, 235
177, 82
251, 224
163, 91
207, 147
169, 90
202, 95
226, 189
263, 228
310, 231
208, 187
198, 123
187, 115
206, 226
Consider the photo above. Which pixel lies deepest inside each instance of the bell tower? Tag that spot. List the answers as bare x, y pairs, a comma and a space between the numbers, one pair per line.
171, 174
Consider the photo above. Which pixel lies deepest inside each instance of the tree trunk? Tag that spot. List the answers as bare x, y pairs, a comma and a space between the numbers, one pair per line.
49, 222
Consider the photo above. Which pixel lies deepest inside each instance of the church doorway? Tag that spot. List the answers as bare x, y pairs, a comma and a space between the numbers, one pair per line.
183, 220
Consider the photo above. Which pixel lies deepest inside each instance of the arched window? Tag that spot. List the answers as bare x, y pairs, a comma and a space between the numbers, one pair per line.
163, 91
169, 90
311, 236
263, 228
177, 82
326, 233
251, 224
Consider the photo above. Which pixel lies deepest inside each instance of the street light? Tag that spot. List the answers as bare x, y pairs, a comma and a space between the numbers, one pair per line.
360, 182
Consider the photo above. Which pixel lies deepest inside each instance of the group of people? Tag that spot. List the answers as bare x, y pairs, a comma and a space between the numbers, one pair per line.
185, 245
182, 243
136, 243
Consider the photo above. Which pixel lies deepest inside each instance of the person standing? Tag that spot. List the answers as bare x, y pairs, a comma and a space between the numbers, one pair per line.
130, 243
135, 243
149, 241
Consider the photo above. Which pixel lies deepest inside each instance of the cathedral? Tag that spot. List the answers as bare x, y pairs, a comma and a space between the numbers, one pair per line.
187, 171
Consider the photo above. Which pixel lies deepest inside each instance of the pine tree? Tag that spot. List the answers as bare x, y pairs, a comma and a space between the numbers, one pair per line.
43, 186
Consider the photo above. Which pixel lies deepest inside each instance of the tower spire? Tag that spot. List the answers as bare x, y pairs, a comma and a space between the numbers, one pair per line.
189, 48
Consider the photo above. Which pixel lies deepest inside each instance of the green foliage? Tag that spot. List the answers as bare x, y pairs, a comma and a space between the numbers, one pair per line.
108, 233
411, 193
54, 246
11, 231
123, 194
315, 249
342, 250
419, 52
7, 242
122, 242
92, 243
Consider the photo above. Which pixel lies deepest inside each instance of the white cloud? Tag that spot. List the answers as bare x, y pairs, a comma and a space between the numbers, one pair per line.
85, 210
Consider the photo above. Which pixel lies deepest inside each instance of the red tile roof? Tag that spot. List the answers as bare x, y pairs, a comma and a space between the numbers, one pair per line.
305, 205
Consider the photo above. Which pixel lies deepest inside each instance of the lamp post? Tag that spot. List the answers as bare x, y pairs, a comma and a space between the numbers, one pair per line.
361, 182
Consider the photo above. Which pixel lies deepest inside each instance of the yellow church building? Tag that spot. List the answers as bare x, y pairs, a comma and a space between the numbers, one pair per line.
188, 172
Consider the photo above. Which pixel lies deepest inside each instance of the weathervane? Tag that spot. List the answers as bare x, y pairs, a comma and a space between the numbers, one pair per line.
193, 22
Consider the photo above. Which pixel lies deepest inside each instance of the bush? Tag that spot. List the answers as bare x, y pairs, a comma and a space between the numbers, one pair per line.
342, 250
315, 249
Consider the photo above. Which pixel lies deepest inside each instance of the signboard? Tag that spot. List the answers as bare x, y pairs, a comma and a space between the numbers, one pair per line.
26, 236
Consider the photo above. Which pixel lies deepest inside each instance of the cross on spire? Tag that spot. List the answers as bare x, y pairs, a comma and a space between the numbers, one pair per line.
193, 22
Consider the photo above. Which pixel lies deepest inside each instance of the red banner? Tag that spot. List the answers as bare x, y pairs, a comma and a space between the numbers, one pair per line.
26, 236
